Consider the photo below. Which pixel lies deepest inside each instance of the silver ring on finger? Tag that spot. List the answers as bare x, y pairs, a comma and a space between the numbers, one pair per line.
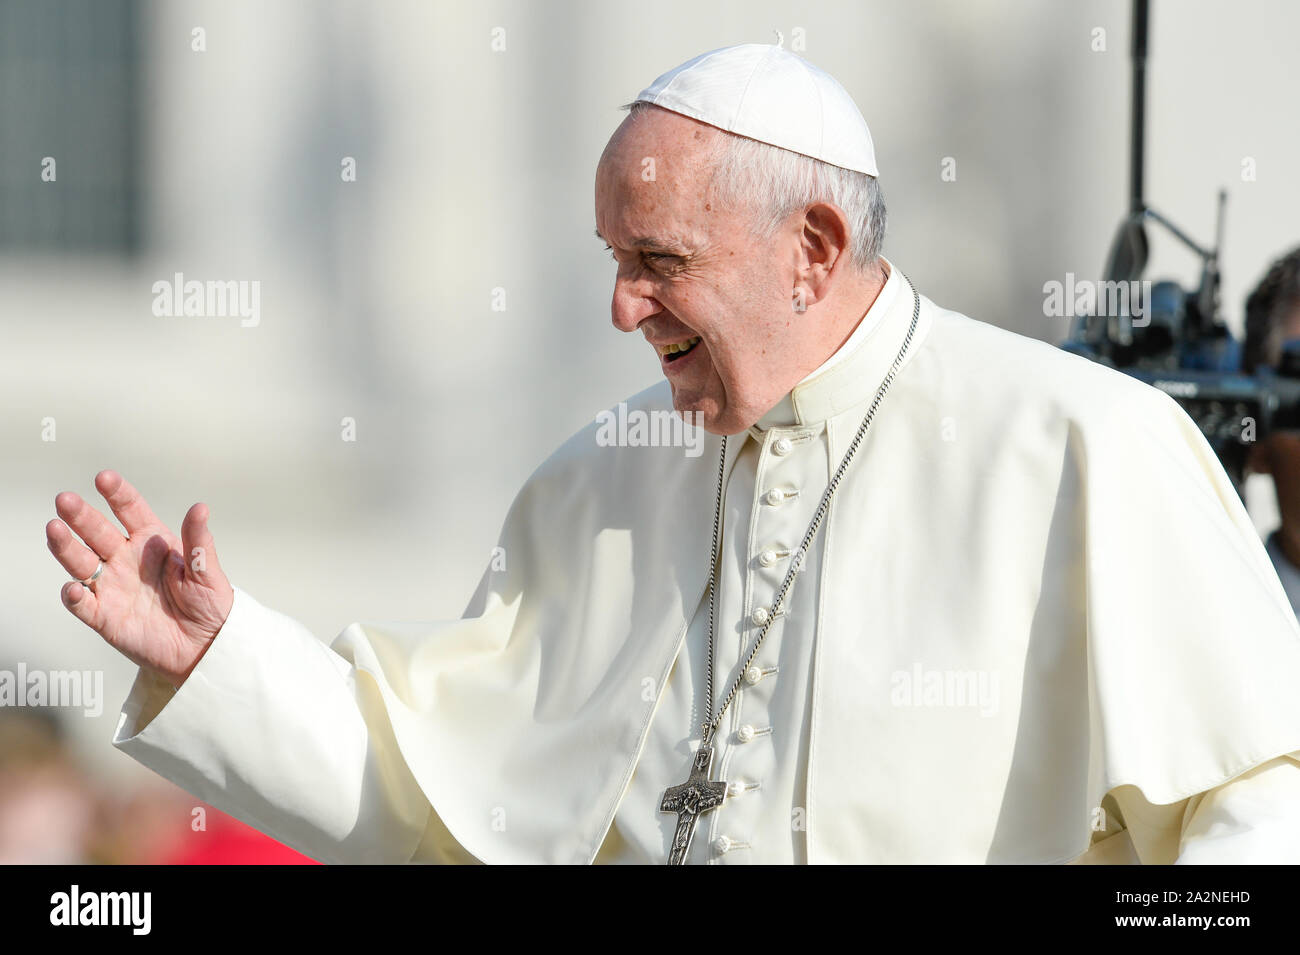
93, 577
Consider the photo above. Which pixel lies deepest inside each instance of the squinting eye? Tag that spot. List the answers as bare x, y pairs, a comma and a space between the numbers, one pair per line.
656, 257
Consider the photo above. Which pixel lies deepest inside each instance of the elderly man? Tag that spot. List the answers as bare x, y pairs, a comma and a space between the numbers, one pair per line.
932, 593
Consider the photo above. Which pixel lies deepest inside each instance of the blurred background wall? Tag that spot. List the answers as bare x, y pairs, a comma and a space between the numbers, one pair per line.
475, 129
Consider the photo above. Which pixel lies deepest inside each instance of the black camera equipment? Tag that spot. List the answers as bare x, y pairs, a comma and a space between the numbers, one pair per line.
1173, 339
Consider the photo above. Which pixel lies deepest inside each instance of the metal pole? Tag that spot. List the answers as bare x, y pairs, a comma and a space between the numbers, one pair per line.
1141, 13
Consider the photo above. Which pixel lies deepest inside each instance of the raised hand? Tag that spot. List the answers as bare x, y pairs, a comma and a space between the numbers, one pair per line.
158, 600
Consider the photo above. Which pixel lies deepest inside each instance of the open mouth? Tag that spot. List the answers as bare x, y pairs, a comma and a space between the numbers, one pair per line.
677, 350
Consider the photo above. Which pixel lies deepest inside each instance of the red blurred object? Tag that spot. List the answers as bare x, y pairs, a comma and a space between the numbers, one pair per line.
227, 841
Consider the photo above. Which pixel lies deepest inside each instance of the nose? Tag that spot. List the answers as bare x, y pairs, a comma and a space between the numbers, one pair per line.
632, 304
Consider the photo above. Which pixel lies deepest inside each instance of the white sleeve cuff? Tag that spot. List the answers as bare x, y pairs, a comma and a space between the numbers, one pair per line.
271, 727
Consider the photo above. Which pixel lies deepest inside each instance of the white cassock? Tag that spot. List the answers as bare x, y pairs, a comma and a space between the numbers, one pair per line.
1037, 627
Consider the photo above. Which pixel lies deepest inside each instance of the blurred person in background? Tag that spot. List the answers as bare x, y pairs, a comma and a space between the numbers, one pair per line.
1272, 334
47, 808
225, 841
161, 824
53, 811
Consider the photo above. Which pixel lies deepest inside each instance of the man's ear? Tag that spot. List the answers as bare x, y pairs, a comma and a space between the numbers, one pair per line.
823, 251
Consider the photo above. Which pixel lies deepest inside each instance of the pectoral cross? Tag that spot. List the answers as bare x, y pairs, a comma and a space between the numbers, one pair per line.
691, 800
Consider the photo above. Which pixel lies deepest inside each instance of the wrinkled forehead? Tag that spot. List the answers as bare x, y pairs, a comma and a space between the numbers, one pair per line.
653, 178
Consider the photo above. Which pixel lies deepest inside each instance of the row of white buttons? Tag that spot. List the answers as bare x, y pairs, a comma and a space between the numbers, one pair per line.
738, 787
748, 732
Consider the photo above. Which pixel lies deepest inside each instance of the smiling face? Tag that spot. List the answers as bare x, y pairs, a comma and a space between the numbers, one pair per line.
715, 302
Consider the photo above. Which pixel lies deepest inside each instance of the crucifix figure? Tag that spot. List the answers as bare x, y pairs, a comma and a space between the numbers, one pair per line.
691, 800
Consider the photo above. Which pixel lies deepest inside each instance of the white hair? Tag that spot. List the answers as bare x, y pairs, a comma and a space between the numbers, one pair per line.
775, 183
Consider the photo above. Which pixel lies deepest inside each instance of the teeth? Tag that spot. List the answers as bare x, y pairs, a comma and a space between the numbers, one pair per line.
676, 347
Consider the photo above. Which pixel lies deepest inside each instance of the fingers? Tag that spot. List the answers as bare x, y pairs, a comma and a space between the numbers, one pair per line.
82, 603
91, 526
200, 549
77, 559
126, 502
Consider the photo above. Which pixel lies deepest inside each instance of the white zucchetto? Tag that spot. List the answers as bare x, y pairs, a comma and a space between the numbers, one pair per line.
769, 94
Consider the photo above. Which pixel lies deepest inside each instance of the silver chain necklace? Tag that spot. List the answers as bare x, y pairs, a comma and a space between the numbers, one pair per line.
699, 794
